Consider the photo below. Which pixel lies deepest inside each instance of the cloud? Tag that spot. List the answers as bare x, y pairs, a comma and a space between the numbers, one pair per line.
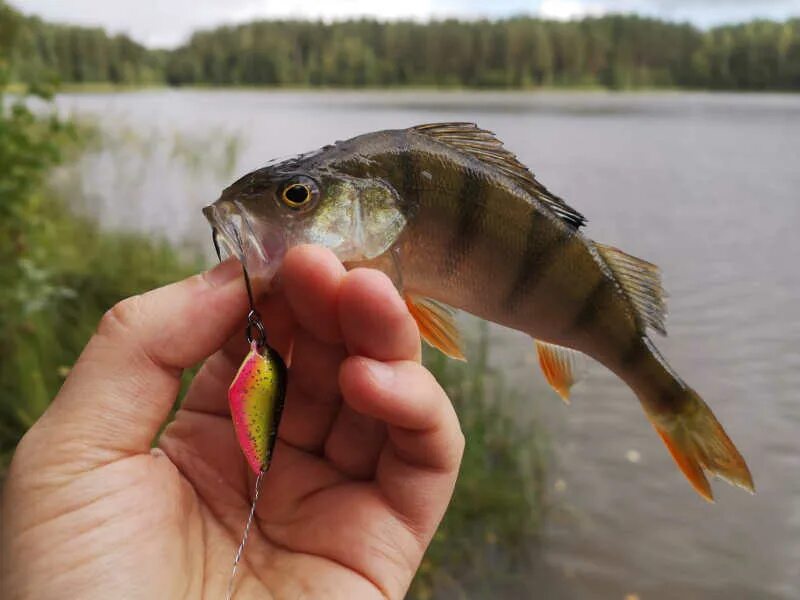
701, 12
570, 9
170, 22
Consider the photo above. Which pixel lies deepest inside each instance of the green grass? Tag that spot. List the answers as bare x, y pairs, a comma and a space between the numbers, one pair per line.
71, 272
498, 505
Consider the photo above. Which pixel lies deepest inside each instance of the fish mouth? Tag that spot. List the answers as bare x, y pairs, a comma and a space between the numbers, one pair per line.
258, 246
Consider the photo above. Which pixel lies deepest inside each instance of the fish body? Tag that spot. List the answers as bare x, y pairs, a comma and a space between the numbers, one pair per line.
455, 220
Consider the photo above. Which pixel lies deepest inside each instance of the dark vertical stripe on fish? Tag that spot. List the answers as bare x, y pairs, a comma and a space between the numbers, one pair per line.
542, 242
471, 210
593, 302
634, 353
409, 181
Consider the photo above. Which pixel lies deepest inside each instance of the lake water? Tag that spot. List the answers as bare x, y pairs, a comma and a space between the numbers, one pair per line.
707, 186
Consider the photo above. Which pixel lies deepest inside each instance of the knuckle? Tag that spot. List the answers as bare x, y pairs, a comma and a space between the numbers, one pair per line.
456, 440
427, 378
121, 317
29, 447
25, 446
459, 444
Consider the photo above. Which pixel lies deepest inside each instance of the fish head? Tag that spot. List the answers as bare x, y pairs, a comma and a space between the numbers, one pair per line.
265, 213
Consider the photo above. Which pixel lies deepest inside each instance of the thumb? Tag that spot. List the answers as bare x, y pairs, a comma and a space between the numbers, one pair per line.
122, 387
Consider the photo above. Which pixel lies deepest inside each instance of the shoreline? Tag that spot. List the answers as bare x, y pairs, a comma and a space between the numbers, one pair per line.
105, 87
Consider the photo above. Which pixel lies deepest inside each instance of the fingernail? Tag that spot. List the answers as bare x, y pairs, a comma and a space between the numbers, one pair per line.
226, 271
381, 374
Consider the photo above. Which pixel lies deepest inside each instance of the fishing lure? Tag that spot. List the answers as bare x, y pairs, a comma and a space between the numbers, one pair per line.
256, 397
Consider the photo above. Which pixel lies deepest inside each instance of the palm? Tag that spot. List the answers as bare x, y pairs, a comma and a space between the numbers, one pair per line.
354, 493
315, 526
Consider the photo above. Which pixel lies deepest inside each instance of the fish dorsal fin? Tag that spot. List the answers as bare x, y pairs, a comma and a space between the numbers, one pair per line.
641, 281
562, 367
484, 146
437, 325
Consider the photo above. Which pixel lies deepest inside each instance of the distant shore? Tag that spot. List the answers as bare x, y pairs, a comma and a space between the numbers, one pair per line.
613, 52
106, 87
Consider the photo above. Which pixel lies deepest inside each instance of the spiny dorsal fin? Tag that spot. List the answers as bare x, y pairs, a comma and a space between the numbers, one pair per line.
484, 145
641, 281
562, 367
437, 325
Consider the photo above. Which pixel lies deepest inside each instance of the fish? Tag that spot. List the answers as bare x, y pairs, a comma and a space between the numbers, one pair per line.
457, 222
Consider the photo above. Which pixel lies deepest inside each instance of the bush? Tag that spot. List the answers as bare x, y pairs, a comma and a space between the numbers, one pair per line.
58, 272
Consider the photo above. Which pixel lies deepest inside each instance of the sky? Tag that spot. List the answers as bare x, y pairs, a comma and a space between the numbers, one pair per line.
168, 23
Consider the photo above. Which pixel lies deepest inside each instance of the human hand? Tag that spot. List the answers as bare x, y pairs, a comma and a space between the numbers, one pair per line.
364, 467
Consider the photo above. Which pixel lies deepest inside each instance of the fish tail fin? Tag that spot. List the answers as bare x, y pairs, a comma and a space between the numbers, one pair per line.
699, 445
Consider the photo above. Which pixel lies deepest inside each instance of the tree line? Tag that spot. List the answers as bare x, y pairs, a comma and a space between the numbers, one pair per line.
616, 52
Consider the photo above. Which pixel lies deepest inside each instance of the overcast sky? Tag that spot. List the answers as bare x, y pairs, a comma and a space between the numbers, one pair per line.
170, 22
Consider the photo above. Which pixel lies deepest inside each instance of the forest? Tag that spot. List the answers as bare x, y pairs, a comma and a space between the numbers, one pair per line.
615, 52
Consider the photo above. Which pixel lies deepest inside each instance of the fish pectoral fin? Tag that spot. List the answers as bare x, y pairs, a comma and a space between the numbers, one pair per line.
437, 325
641, 281
562, 367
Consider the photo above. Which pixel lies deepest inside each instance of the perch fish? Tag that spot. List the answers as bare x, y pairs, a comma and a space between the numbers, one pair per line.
457, 222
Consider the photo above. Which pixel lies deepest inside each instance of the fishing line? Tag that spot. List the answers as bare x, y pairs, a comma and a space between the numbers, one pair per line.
240, 550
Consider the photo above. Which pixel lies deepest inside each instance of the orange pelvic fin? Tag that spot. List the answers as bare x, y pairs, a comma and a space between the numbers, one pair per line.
699, 445
437, 325
562, 367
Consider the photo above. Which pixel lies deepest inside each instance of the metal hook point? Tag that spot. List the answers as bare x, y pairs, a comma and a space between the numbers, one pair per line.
214, 236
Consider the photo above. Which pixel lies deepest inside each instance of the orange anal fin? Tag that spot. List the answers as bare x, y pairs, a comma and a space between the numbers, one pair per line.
560, 367
437, 325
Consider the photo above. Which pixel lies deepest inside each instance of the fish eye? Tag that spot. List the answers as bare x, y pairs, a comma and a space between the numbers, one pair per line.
299, 193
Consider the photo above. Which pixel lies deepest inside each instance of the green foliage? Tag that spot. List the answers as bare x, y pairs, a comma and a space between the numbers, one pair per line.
44, 52
496, 512
616, 51
28, 148
59, 272
69, 273
59, 276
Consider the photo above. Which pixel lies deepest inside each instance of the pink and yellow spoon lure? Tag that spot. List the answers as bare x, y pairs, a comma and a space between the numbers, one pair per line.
256, 400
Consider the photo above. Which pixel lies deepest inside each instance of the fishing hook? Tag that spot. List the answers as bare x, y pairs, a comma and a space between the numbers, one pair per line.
255, 330
214, 234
